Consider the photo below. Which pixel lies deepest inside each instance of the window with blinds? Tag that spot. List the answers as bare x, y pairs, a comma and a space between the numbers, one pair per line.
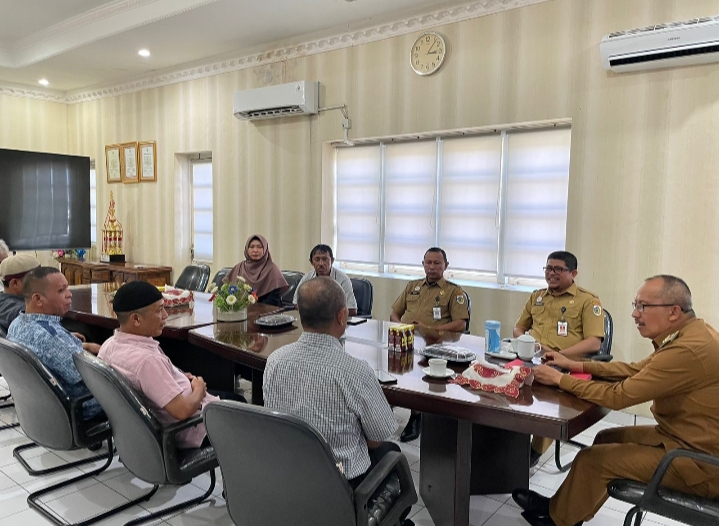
497, 203
202, 231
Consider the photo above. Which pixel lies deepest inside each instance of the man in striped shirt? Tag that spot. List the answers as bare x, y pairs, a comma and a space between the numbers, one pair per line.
316, 380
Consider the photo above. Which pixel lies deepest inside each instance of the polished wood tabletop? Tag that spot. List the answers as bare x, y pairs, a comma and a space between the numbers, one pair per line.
92, 305
538, 409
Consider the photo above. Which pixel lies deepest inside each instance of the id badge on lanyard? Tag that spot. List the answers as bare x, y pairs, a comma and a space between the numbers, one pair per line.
437, 313
562, 328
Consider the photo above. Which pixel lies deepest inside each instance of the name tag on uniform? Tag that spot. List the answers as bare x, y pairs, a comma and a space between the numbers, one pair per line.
437, 313
562, 328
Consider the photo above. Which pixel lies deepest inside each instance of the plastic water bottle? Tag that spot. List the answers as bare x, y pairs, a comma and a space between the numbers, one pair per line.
492, 340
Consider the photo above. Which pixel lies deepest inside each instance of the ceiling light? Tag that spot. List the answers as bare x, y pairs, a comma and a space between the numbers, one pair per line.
44, 82
143, 53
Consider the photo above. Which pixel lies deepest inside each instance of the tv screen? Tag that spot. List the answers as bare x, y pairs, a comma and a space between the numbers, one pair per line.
45, 201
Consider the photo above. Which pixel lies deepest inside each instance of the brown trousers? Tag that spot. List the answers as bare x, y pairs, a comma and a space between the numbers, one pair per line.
616, 454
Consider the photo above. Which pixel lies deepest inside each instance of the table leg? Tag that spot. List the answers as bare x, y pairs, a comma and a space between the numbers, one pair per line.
460, 459
444, 476
500, 460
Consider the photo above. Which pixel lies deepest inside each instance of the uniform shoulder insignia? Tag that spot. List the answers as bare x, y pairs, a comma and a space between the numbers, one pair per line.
460, 299
669, 339
597, 310
585, 291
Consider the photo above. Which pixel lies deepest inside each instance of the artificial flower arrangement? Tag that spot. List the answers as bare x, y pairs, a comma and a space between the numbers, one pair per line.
70, 253
233, 297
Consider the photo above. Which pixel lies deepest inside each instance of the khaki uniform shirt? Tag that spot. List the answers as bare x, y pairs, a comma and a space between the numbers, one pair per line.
681, 377
542, 312
419, 298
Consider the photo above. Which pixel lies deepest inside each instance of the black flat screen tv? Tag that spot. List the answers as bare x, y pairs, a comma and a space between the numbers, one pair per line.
45, 201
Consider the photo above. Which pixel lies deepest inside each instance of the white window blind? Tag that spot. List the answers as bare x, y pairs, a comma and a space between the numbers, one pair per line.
93, 204
202, 232
358, 172
470, 199
497, 203
537, 186
410, 201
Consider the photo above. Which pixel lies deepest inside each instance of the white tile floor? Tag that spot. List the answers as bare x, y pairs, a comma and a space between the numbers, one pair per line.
116, 485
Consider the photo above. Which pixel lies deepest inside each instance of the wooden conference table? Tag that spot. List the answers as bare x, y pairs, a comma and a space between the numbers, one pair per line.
472, 442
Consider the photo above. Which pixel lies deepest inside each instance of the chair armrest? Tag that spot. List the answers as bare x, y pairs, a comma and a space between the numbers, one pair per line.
374, 478
172, 430
76, 408
652, 490
601, 358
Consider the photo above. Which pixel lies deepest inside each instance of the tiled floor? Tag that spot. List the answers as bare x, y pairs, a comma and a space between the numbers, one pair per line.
116, 485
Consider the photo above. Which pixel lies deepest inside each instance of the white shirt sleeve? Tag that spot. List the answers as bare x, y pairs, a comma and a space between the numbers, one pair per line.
346, 284
306, 277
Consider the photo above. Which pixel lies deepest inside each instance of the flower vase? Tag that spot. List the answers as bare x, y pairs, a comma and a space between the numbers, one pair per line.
233, 315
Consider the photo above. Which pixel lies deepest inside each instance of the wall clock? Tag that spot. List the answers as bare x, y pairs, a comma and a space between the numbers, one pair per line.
427, 53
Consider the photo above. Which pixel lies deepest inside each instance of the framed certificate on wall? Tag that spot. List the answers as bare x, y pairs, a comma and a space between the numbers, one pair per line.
148, 161
112, 163
128, 162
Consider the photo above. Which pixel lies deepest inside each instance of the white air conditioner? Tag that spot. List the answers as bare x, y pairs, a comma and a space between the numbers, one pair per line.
662, 46
282, 100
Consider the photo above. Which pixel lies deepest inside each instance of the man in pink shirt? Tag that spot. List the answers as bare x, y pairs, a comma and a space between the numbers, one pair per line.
172, 394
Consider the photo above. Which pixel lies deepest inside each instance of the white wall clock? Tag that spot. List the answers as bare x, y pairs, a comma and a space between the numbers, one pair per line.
427, 53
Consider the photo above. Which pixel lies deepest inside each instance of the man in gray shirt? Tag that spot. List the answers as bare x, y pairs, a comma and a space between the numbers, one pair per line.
317, 381
322, 260
12, 271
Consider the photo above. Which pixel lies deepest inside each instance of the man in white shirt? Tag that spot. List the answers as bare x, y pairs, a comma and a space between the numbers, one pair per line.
322, 260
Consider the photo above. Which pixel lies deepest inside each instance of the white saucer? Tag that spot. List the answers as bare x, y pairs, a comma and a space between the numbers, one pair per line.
510, 355
447, 373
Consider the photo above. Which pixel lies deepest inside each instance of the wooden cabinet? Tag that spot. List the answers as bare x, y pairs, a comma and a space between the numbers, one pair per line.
86, 272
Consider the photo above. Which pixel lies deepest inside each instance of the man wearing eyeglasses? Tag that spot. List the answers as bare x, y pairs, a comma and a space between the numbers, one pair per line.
562, 317
681, 378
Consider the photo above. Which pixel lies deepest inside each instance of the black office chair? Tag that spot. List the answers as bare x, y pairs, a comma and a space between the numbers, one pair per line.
217, 280
669, 503
293, 280
147, 448
294, 474
52, 419
469, 311
604, 354
364, 295
194, 277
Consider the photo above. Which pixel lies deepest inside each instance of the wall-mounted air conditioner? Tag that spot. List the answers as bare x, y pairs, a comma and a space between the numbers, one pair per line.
282, 100
662, 46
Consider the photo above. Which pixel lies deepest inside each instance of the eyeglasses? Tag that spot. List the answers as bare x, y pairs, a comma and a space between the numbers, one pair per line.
639, 307
555, 270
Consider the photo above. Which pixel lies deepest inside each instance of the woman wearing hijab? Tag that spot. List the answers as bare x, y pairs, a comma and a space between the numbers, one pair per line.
260, 272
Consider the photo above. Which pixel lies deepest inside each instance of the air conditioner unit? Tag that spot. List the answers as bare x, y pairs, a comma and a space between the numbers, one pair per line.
282, 100
662, 46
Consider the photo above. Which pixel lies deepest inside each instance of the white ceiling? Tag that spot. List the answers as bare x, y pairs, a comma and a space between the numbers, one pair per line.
83, 44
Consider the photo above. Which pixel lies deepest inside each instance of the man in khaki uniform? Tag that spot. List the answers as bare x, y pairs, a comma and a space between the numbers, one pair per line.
681, 377
562, 317
432, 302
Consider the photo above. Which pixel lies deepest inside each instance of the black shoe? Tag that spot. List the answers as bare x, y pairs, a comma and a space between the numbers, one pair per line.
535, 520
407, 522
412, 429
542, 521
534, 457
532, 502
95, 447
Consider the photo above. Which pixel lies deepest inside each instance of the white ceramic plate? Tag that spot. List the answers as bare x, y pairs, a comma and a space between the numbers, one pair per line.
275, 320
509, 355
447, 373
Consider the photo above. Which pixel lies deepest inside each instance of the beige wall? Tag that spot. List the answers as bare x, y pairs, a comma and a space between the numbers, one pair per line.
27, 124
642, 196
